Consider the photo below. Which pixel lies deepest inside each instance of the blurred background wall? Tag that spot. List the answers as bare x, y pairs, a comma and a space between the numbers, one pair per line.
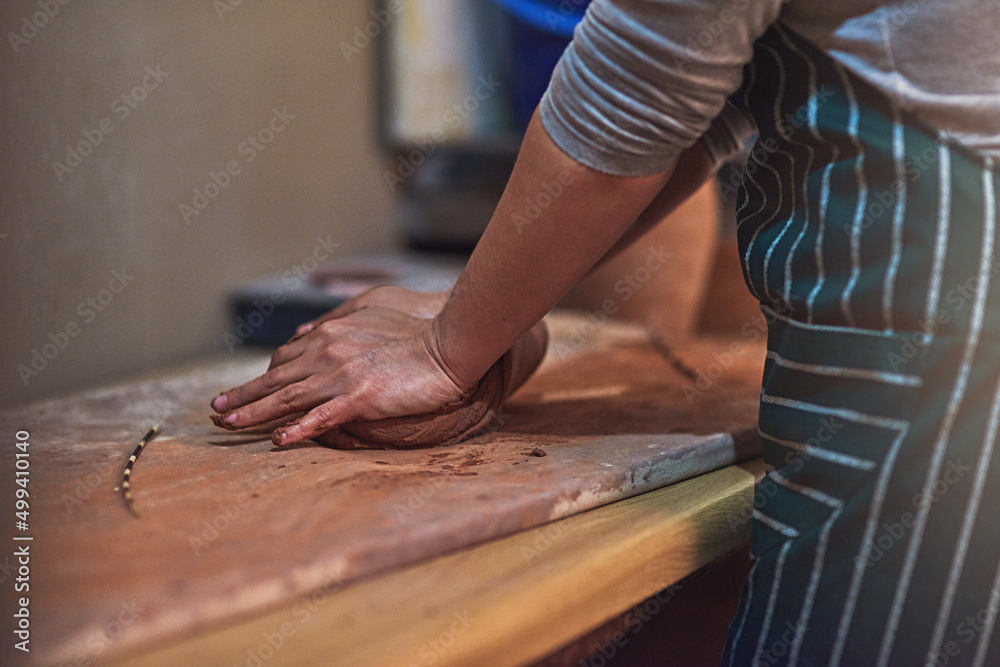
103, 272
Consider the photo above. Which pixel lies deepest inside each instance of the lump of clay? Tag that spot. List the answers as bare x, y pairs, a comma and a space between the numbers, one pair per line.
454, 422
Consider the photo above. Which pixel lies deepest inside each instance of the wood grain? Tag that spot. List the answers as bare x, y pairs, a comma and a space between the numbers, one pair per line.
504, 603
232, 528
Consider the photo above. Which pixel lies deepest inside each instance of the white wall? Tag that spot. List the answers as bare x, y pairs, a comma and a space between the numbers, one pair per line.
63, 237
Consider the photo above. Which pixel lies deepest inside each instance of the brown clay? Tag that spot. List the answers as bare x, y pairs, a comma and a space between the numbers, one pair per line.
219, 420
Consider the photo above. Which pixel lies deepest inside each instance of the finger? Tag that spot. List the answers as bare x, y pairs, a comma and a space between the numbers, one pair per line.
363, 300
416, 304
306, 327
290, 399
319, 420
342, 310
264, 385
290, 351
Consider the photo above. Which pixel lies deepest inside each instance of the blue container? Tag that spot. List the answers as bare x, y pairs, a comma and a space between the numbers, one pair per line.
540, 31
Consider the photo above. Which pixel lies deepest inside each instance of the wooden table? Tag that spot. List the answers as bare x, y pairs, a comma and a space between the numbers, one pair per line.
481, 553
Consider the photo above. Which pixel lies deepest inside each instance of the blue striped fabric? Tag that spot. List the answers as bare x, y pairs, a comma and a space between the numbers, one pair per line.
870, 240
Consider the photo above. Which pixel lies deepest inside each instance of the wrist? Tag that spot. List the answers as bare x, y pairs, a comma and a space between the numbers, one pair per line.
464, 363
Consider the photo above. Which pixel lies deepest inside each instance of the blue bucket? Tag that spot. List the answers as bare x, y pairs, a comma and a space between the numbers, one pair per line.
540, 30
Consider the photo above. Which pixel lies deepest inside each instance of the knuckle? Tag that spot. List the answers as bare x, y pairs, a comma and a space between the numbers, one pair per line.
323, 416
271, 380
289, 395
329, 327
331, 354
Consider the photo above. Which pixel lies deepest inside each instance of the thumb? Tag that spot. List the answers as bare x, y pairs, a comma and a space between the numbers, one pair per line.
319, 420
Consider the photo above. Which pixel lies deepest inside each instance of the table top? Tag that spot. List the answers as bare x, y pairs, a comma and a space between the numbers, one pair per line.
511, 601
232, 529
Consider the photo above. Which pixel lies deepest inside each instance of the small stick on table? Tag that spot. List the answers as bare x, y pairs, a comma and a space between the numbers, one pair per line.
126, 490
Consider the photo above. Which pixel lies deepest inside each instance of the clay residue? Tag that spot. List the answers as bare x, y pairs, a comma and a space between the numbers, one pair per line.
473, 458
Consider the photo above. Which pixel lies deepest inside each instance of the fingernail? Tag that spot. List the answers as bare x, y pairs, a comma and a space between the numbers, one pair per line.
304, 328
231, 419
278, 438
220, 402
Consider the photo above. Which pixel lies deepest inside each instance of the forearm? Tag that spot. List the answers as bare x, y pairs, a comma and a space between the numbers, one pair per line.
535, 248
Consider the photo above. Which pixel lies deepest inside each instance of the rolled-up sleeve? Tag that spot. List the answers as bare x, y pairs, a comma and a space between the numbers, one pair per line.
644, 79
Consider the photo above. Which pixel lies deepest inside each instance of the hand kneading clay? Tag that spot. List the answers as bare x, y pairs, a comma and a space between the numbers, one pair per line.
454, 422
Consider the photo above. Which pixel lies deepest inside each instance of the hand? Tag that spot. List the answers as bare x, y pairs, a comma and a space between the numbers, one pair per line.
372, 363
415, 304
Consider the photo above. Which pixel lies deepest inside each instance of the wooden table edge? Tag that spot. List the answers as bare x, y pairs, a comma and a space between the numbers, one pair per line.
508, 602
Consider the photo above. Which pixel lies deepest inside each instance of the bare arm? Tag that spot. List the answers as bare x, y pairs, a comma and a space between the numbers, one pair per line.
379, 362
523, 265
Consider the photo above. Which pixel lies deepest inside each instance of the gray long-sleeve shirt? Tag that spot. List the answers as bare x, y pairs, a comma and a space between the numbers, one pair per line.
644, 79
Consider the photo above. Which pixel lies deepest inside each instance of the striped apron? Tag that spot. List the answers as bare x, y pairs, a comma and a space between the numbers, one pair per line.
870, 240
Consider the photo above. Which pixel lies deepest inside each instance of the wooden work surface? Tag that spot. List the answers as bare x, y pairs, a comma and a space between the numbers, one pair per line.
232, 528
508, 602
